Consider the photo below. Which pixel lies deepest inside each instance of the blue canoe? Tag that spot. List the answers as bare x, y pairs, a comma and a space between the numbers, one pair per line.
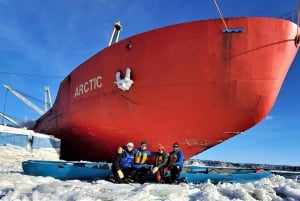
67, 170
99, 170
196, 174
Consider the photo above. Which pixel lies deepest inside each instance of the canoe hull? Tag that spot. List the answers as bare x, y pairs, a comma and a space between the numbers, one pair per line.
67, 170
223, 175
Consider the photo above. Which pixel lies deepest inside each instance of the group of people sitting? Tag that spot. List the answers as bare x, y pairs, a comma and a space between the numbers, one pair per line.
130, 164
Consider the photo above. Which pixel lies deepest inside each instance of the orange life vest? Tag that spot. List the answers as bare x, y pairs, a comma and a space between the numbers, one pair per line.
173, 158
140, 158
159, 160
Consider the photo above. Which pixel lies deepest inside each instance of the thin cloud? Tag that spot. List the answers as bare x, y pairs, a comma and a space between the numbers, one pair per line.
267, 118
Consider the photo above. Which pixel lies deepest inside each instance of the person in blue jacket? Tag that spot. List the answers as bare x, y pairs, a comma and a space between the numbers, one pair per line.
122, 165
139, 170
175, 163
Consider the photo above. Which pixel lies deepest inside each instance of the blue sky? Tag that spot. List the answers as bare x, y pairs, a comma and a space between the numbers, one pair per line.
41, 41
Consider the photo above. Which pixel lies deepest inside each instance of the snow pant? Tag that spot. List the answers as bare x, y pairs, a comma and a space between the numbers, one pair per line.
139, 174
126, 172
175, 172
160, 174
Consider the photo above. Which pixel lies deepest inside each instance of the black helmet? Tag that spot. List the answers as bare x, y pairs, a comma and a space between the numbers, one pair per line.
144, 142
176, 144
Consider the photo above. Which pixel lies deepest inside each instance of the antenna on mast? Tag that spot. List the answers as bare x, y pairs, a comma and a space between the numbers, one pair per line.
115, 34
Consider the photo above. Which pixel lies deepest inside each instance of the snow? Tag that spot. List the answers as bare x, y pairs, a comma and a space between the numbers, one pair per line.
14, 185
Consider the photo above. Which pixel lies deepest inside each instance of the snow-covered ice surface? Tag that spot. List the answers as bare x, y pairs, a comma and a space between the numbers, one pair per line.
14, 185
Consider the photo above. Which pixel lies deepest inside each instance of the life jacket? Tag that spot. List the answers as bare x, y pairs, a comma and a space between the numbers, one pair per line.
140, 157
173, 157
160, 159
127, 160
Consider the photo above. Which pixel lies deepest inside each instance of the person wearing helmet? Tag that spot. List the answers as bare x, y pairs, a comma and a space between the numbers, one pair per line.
175, 163
139, 169
122, 164
160, 168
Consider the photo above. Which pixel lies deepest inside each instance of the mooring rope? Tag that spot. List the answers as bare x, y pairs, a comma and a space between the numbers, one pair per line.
297, 37
216, 4
298, 16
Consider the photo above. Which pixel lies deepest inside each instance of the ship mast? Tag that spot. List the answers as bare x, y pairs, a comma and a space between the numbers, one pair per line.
115, 34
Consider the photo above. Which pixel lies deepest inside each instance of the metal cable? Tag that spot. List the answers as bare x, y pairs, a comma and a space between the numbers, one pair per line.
216, 4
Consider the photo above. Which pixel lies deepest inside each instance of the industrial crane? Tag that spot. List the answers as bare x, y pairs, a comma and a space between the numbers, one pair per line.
47, 98
10, 119
29, 103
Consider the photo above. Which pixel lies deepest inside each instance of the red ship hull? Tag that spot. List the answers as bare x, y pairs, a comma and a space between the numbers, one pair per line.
193, 83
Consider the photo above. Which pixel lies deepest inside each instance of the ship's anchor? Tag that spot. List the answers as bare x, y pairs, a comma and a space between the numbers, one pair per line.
125, 83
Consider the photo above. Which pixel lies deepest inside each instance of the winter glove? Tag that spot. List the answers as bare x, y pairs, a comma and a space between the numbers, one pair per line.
154, 170
120, 174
